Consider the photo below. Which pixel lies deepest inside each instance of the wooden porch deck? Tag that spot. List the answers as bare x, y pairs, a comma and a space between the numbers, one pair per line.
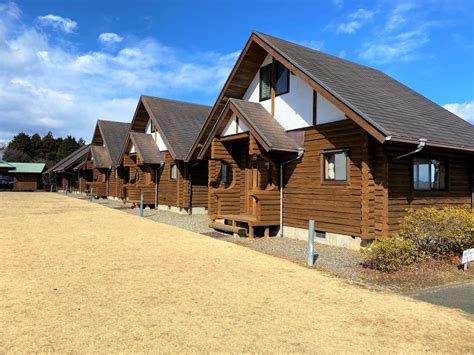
250, 220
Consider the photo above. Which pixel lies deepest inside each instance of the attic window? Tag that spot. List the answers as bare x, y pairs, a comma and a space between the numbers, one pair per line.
280, 82
265, 82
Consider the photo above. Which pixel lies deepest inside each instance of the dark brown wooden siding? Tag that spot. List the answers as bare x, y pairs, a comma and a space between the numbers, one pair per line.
401, 195
226, 199
27, 182
335, 207
199, 184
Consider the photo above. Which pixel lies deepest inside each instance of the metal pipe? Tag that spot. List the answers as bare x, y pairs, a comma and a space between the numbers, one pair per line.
282, 165
142, 200
310, 250
421, 145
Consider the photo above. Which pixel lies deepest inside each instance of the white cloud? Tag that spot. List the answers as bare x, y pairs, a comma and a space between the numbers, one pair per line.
342, 54
57, 87
65, 24
398, 16
464, 110
401, 47
356, 21
110, 37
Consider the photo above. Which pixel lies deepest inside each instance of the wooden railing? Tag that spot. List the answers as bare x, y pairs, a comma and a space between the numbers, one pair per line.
267, 205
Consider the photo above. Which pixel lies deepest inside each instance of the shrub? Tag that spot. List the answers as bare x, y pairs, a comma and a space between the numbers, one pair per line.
439, 232
389, 254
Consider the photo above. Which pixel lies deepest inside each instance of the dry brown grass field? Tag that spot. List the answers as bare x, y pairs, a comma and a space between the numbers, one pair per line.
79, 277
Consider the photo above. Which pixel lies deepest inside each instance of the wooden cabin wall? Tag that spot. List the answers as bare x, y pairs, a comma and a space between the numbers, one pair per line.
401, 195
336, 207
168, 192
144, 185
199, 176
232, 154
27, 182
115, 183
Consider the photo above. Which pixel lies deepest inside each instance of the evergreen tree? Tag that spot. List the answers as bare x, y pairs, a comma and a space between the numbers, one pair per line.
49, 150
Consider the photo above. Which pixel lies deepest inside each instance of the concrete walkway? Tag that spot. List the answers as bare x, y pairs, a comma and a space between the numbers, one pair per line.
459, 296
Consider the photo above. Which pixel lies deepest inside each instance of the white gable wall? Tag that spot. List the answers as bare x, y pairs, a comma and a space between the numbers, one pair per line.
156, 137
295, 109
232, 128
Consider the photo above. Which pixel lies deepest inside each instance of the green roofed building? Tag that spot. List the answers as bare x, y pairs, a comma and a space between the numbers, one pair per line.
21, 176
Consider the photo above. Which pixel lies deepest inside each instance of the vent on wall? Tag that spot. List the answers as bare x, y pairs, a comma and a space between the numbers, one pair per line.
320, 234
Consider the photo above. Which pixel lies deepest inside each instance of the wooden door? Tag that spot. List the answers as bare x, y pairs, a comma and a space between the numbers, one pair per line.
252, 179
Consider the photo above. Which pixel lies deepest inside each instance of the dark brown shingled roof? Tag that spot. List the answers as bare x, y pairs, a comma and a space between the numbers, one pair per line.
147, 148
72, 159
266, 129
100, 156
179, 123
113, 134
385, 103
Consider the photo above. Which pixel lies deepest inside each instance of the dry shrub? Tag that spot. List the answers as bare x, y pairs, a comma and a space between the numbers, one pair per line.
424, 233
439, 232
389, 254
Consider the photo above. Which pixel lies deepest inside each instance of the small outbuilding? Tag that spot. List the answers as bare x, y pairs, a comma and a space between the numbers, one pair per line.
21, 176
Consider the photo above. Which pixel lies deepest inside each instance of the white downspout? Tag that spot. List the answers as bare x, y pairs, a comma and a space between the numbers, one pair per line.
282, 165
421, 145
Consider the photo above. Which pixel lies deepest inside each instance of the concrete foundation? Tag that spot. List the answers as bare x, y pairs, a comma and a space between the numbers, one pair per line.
182, 210
339, 240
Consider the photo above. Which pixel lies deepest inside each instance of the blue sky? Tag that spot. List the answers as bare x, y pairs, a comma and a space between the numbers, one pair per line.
64, 64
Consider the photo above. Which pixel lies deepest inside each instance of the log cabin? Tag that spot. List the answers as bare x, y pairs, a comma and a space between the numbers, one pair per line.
69, 173
161, 133
298, 135
21, 176
103, 160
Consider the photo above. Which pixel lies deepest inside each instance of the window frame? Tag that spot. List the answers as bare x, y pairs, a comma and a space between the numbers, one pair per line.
287, 89
260, 98
323, 155
225, 180
173, 166
442, 160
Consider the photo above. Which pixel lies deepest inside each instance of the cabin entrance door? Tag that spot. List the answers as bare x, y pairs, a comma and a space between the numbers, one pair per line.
252, 184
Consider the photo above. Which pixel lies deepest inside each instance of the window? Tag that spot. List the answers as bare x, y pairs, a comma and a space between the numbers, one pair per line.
335, 165
429, 174
225, 173
282, 80
265, 82
173, 171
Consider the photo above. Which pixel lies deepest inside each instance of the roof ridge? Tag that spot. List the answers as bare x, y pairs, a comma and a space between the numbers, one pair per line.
174, 100
319, 52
